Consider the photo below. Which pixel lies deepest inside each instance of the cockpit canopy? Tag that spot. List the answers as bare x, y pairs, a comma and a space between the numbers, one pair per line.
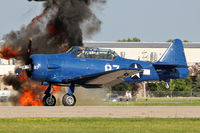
92, 53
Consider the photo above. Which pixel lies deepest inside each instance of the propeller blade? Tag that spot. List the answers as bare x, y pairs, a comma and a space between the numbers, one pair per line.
28, 52
29, 47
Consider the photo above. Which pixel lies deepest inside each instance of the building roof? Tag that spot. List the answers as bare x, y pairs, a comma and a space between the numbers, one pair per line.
138, 44
134, 44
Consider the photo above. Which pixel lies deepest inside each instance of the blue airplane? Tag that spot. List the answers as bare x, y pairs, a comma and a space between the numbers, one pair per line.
94, 67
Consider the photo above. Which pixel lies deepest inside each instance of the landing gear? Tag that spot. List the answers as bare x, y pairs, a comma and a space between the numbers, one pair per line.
69, 99
49, 99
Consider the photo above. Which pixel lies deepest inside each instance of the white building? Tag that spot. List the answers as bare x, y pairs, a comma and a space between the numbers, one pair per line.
148, 51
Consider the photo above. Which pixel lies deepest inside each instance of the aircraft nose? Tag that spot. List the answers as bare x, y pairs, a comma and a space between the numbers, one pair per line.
38, 70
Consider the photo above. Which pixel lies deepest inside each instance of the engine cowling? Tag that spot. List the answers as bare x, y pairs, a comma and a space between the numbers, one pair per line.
38, 67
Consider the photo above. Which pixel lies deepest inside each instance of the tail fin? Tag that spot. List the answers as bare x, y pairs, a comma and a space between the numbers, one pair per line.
173, 61
174, 55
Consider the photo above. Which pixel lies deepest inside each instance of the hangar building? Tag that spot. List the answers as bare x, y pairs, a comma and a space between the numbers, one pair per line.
148, 51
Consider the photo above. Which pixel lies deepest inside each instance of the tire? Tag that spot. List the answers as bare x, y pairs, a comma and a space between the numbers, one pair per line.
69, 100
49, 100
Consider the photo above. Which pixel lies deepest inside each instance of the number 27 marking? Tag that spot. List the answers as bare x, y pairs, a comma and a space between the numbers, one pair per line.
108, 67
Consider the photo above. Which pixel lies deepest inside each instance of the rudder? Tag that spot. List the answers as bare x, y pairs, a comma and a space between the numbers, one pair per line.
174, 55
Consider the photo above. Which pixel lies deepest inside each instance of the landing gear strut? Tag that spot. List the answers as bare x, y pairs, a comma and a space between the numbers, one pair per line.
49, 99
69, 99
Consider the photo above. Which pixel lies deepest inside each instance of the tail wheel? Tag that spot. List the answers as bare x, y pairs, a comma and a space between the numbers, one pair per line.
69, 100
49, 100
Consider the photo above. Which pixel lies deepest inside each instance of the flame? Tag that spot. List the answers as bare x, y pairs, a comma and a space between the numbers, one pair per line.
32, 96
56, 89
7, 52
33, 91
30, 99
22, 77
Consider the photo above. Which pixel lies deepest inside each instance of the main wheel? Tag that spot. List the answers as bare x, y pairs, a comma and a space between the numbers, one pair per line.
49, 100
69, 100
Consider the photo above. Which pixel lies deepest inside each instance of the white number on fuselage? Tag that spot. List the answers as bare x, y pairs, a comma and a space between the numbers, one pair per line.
109, 67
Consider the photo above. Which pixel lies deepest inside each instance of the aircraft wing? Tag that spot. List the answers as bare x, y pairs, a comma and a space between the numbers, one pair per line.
107, 79
112, 78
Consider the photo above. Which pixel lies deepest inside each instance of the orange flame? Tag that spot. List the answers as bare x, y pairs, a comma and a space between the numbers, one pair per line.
7, 52
29, 99
32, 96
22, 77
56, 89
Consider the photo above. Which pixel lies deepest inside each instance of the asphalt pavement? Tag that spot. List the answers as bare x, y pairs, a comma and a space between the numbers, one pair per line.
101, 111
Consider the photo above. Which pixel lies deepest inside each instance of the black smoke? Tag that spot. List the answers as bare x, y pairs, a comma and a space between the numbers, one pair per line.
57, 28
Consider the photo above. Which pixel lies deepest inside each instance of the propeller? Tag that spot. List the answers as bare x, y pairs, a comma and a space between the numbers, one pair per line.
29, 48
28, 61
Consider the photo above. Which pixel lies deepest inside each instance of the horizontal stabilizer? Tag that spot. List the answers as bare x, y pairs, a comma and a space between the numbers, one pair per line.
168, 65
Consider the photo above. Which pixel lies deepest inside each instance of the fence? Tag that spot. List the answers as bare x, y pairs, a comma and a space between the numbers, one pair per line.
155, 97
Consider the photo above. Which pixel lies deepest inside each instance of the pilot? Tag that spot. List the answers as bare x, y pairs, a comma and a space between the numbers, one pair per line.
79, 51
113, 57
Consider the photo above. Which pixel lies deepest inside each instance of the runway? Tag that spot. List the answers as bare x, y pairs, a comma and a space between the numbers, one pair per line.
101, 111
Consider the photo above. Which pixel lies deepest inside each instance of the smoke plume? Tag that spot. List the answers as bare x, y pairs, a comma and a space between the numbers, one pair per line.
55, 30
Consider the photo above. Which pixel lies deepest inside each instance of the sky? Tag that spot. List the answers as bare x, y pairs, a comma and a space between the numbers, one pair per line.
149, 20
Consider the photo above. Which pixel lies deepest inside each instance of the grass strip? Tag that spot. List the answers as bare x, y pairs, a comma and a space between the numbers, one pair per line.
100, 125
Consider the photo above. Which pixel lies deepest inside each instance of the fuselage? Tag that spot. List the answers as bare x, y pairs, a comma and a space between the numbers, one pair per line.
56, 68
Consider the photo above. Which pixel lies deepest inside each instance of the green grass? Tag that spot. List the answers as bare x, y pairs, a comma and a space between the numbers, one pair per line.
160, 101
99, 125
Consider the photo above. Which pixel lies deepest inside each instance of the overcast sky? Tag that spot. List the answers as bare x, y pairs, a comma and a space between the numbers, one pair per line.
149, 20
